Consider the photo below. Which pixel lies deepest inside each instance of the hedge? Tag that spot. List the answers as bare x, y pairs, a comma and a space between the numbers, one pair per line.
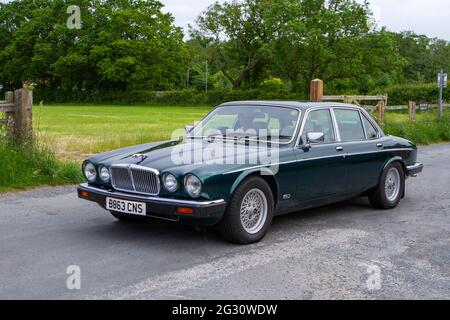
401, 94
179, 97
398, 95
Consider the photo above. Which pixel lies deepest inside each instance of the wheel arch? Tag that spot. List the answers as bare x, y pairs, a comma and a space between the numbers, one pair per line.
395, 159
403, 164
264, 173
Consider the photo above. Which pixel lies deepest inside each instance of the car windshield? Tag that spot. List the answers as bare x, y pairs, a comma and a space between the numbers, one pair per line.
250, 122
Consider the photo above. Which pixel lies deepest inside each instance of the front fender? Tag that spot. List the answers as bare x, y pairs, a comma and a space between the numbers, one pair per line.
255, 172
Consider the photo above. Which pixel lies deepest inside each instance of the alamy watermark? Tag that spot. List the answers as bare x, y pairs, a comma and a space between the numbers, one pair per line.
233, 147
74, 20
73, 282
374, 277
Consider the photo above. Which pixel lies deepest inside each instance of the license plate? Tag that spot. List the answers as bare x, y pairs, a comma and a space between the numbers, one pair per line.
130, 207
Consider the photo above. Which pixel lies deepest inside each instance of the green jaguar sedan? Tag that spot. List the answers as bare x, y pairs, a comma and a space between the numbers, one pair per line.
249, 161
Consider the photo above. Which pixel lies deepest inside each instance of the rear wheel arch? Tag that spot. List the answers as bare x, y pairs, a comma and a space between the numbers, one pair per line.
392, 160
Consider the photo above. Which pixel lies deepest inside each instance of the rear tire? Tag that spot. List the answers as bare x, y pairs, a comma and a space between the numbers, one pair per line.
250, 212
391, 188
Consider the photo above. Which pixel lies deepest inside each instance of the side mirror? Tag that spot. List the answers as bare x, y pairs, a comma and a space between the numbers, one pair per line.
188, 128
314, 137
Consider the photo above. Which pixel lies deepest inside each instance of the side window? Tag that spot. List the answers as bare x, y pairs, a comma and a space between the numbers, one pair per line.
320, 121
350, 125
371, 132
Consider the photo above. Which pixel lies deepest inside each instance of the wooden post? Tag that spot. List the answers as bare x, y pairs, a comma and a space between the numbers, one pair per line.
380, 114
316, 90
23, 116
9, 116
412, 112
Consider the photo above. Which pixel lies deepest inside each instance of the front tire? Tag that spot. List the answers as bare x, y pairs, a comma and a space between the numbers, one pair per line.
390, 190
250, 212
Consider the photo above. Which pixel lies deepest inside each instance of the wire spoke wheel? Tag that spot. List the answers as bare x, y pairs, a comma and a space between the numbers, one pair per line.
392, 184
253, 211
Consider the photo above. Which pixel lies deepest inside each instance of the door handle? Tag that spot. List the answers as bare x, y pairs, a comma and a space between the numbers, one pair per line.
339, 148
379, 145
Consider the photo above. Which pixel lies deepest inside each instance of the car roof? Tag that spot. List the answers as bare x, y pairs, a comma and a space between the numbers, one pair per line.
290, 104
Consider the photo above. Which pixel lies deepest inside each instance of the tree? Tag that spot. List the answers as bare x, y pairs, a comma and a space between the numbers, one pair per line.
241, 34
331, 40
122, 45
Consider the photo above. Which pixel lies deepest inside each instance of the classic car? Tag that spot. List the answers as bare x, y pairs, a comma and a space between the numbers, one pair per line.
268, 158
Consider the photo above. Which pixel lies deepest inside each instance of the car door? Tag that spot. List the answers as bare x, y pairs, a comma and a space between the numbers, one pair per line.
363, 146
321, 170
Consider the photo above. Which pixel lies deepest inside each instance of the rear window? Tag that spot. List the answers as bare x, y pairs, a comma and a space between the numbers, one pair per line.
350, 125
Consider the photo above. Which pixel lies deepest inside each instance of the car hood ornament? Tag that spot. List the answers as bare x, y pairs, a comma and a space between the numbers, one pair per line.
140, 157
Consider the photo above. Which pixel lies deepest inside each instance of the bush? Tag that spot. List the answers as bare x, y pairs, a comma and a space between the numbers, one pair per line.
402, 94
177, 97
427, 129
273, 84
26, 166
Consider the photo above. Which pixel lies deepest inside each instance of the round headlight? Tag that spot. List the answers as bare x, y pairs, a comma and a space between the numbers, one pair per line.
89, 171
170, 182
193, 185
104, 174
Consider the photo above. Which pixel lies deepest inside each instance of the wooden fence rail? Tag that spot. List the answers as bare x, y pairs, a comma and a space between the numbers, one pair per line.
18, 110
317, 95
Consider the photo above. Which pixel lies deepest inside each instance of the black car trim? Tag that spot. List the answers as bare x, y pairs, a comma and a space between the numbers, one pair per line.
198, 204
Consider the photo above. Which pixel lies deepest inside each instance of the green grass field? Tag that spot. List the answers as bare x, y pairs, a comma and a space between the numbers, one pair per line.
76, 131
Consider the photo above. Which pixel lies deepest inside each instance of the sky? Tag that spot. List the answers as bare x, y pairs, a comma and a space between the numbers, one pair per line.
429, 17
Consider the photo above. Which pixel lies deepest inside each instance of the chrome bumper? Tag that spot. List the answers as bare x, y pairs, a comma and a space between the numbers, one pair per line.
414, 170
204, 212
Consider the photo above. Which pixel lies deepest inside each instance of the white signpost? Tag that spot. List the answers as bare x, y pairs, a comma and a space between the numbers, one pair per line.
442, 83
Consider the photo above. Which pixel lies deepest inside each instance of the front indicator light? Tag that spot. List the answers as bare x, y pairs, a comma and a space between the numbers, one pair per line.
183, 210
84, 195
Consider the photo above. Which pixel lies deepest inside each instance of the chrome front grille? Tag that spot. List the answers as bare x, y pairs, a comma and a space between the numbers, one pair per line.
136, 179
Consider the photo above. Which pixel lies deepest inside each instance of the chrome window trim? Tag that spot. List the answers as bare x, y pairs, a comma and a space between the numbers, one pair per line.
267, 106
318, 158
332, 107
360, 119
130, 167
363, 126
374, 125
336, 127
305, 117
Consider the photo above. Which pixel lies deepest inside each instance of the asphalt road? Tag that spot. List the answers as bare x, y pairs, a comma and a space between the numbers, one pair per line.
344, 251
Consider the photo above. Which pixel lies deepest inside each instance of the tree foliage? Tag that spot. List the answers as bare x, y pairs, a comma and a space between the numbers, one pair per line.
132, 45
122, 45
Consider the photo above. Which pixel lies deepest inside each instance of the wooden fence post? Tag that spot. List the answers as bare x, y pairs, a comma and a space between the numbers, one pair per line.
412, 112
23, 116
9, 116
316, 90
380, 114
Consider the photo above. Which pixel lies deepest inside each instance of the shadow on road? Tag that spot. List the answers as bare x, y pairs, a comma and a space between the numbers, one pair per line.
155, 232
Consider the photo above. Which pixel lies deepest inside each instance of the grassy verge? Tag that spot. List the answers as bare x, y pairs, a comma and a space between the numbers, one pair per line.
426, 130
22, 167
76, 131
